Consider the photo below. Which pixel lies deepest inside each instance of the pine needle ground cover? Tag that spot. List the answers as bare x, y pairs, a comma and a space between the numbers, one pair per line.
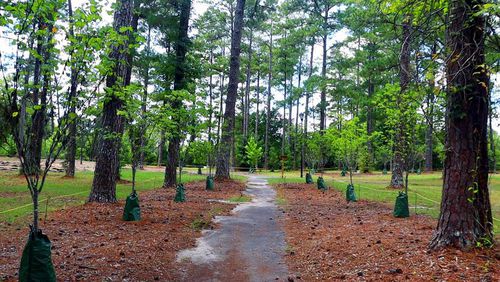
92, 240
424, 191
330, 239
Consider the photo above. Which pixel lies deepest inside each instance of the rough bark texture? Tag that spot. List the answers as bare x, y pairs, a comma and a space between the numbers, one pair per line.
180, 83
465, 217
223, 154
109, 142
399, 138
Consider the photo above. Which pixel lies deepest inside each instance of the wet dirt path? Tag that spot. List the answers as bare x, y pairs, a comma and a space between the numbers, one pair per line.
247, 246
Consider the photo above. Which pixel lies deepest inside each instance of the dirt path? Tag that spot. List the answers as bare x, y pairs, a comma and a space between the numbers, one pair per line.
248, 246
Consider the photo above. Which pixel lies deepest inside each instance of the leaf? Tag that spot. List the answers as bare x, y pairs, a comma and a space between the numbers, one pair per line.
15, 114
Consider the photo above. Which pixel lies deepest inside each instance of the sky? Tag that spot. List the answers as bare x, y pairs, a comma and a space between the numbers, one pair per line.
198, 8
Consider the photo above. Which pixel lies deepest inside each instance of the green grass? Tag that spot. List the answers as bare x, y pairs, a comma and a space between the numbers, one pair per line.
424, 190
15, 199
240, 199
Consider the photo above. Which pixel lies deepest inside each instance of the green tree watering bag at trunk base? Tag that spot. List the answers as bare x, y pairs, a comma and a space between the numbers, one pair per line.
36, 262
350, 195
401, 207
309, 179
321, 183
180, 194
210, 183
132, 210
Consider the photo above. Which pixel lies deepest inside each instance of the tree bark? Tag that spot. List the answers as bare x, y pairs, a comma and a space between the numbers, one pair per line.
71, 147
223, 154
398, 163
105, 173
465, 219
181, 49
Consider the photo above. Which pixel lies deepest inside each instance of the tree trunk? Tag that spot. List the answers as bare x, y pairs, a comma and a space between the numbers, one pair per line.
223, 154
221, 103
160, 147
179, 84
145, 100
296, 139
268, 106
33, 154
283, 123
246, 104
465, 219
429, 117
429, 132
210, 114
71, 147
306, 106
369, 108
257, 104
322, 105
398, 162
105, 172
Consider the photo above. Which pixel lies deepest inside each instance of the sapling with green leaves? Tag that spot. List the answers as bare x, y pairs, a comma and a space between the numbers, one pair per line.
253, 152
137, 125
29, 106
349, 144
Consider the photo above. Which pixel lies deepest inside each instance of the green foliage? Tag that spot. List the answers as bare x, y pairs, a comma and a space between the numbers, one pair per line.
198, 152
253, 152
349, 143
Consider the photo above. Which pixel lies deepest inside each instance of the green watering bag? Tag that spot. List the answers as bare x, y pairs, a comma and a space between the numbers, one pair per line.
132, 210
309, 179
401, 207
36, 261
350, 195
210, 183
321, 183
180, 194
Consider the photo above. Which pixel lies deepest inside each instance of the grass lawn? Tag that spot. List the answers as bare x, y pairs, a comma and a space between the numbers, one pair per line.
424, 190
60, 192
